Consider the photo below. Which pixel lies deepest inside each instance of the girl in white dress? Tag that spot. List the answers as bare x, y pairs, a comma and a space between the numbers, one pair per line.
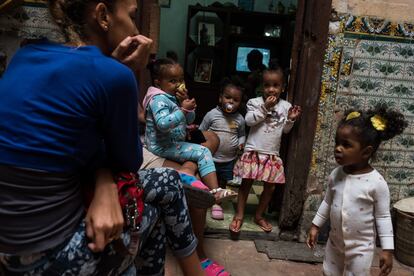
268, 117
357, 198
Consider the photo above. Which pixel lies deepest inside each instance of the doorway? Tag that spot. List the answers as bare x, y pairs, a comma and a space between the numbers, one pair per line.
307, 53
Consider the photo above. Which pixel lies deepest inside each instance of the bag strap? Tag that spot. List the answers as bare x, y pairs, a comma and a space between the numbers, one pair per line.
130, 195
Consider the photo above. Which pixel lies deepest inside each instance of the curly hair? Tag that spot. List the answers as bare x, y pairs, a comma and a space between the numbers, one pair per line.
233, 81
395, 124
70, 16
157, 67
274, 66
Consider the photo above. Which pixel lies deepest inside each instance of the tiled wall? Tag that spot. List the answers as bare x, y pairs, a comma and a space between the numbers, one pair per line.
30, 20
368, 60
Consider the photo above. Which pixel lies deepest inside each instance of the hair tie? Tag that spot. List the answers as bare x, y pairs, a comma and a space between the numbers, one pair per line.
378, 122
352, 115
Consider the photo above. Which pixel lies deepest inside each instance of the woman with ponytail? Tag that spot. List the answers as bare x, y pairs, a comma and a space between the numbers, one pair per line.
62, 105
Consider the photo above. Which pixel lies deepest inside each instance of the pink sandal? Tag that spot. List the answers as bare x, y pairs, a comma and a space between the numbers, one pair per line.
211, 268
217, 212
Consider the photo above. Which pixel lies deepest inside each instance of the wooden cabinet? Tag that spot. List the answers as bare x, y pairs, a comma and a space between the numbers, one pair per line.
214, 36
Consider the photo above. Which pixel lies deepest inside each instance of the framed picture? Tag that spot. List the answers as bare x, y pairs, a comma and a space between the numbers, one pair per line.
203, 70
206, 34
272, 31
164, 3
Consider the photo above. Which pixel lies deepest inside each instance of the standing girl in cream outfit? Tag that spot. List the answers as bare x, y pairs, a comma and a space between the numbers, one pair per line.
268, 117
357, 198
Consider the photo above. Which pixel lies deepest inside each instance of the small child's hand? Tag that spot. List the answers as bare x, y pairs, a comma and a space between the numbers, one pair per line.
294, 112
189, 104
311, 240
270, 102
385, 262
182, 93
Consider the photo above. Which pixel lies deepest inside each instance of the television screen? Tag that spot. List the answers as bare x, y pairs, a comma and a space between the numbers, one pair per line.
242, 52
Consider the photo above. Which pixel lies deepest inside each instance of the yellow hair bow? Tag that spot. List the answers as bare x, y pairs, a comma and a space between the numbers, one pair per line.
378, 122
352, 115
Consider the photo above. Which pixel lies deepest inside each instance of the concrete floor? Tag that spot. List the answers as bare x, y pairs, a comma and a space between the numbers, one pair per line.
241, 259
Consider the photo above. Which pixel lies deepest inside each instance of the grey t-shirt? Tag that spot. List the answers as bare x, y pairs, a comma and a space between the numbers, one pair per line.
38, 210
230, 128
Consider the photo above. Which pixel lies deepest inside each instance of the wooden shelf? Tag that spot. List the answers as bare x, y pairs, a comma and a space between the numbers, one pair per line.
250, 28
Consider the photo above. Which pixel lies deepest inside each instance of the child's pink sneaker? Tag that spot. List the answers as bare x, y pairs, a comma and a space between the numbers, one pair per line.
211, 268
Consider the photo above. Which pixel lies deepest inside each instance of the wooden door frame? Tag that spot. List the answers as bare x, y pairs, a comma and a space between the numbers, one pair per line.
144, 22
308, 50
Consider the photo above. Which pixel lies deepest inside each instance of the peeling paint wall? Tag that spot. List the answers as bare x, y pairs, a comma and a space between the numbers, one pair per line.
394, 10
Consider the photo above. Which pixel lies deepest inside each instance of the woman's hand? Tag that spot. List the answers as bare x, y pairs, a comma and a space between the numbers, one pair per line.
104, 219
134, 52
312, 238
188, 104
294, 112
270, 102
385, 262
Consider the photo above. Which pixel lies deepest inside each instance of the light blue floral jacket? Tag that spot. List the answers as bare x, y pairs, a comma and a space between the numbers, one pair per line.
165, 122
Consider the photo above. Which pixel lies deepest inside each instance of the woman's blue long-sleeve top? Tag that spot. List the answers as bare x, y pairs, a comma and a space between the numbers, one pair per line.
58, 103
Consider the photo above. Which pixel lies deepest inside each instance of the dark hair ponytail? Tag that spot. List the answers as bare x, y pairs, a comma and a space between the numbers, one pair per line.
375, 125
234, 81
70, 16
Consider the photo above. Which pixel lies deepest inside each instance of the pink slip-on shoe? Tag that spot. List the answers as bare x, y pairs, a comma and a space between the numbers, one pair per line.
217, 212
211, 268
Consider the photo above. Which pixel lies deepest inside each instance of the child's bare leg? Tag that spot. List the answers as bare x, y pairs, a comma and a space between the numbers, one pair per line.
171, 164
198, 219
244, 190
189, 167
265, 197
190, 265
210, 180
212, 142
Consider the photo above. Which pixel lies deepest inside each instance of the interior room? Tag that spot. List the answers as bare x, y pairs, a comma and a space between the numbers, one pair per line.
212, 40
